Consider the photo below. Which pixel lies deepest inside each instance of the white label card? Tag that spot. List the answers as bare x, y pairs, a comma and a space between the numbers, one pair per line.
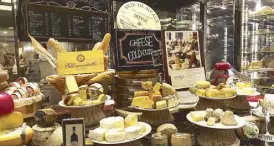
187, 78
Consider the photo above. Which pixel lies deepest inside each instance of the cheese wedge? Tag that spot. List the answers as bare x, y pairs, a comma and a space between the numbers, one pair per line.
147, 85
157, 87
102, 97
71, 85
97, 134
131, 120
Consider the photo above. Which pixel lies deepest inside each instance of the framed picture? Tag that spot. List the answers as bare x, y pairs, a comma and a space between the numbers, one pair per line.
73, 132
183, 58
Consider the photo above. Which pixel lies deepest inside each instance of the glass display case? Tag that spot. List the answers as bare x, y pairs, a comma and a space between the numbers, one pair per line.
173, 14
257, 37
219, 32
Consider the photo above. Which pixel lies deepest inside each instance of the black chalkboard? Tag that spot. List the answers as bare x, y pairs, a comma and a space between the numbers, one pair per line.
76, 4
43, 22
134, 49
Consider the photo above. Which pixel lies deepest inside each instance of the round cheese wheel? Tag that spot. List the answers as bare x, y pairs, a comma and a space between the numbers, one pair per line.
115, 135
167, 129
137, 15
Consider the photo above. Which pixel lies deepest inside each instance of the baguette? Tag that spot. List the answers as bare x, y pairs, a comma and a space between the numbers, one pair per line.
39, 49
97, 46
105, 43
57, 47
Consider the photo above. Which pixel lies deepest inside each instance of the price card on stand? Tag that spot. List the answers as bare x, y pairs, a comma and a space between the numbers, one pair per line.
80, 62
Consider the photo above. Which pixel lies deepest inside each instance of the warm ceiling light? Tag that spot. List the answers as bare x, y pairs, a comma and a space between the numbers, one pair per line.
6, 1
5, 32
6, 8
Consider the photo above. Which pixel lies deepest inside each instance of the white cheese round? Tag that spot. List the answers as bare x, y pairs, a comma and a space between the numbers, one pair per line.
115, 135
133, 132
137, 15
97, 134
112, 123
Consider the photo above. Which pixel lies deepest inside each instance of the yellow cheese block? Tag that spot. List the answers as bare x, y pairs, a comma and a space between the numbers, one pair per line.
137, 101
71, 98
161, 104
83, 94
71, 85
167, 90
147, 85
131, 120
77, 101
147, 104
13, 137
11, 121
140, 93
203, 84
157, 87
197, 115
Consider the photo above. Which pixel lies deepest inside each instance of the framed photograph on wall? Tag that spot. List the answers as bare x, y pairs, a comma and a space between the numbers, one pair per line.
73, 132
183, 58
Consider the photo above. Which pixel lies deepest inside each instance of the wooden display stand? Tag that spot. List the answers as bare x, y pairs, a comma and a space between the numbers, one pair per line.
239, 104
217, 137
157, 118
203, 104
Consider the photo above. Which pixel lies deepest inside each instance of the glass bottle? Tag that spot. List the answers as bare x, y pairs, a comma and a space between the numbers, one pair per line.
74, 138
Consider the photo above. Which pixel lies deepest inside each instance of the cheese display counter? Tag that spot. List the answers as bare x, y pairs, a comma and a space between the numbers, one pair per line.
140, 81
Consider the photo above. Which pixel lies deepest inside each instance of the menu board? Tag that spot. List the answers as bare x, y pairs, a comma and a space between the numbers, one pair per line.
134, 49
43, 22
80, 4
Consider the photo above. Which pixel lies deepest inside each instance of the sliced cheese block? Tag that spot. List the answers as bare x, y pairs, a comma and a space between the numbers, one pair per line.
156, 98
167, 90
112, 123
94, 102
171, 102
197, 115
97, 134
115, 135
161, 104
131, 120
71, 85
83, 92
77, 101
133, 132
11, 121
13, 137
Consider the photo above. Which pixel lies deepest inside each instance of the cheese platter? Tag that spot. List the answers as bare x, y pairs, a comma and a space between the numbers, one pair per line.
239, 121
148, 130
61, 103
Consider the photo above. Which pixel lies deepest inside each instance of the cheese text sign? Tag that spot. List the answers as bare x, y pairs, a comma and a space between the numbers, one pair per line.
80, 62
134, 49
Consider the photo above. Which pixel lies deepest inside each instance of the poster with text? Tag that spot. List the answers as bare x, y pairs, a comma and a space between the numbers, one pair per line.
183, 58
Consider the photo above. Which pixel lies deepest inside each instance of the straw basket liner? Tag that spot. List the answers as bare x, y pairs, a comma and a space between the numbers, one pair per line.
29, 106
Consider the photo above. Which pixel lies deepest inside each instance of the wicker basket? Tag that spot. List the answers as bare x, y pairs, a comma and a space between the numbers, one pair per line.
29, 106
3, 87
59, 82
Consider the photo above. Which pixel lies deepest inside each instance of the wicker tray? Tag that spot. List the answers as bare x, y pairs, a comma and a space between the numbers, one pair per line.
59, 81
29, 106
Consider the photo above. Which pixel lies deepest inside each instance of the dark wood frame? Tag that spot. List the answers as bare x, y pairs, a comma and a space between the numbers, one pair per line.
72, 121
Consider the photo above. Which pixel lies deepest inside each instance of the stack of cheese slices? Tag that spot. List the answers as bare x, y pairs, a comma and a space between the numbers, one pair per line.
159, 96
118, 129
11, 122
83, 95
22, 89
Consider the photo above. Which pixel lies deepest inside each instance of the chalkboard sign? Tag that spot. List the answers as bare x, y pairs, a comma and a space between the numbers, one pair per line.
76, 4
43, 22
134, 49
